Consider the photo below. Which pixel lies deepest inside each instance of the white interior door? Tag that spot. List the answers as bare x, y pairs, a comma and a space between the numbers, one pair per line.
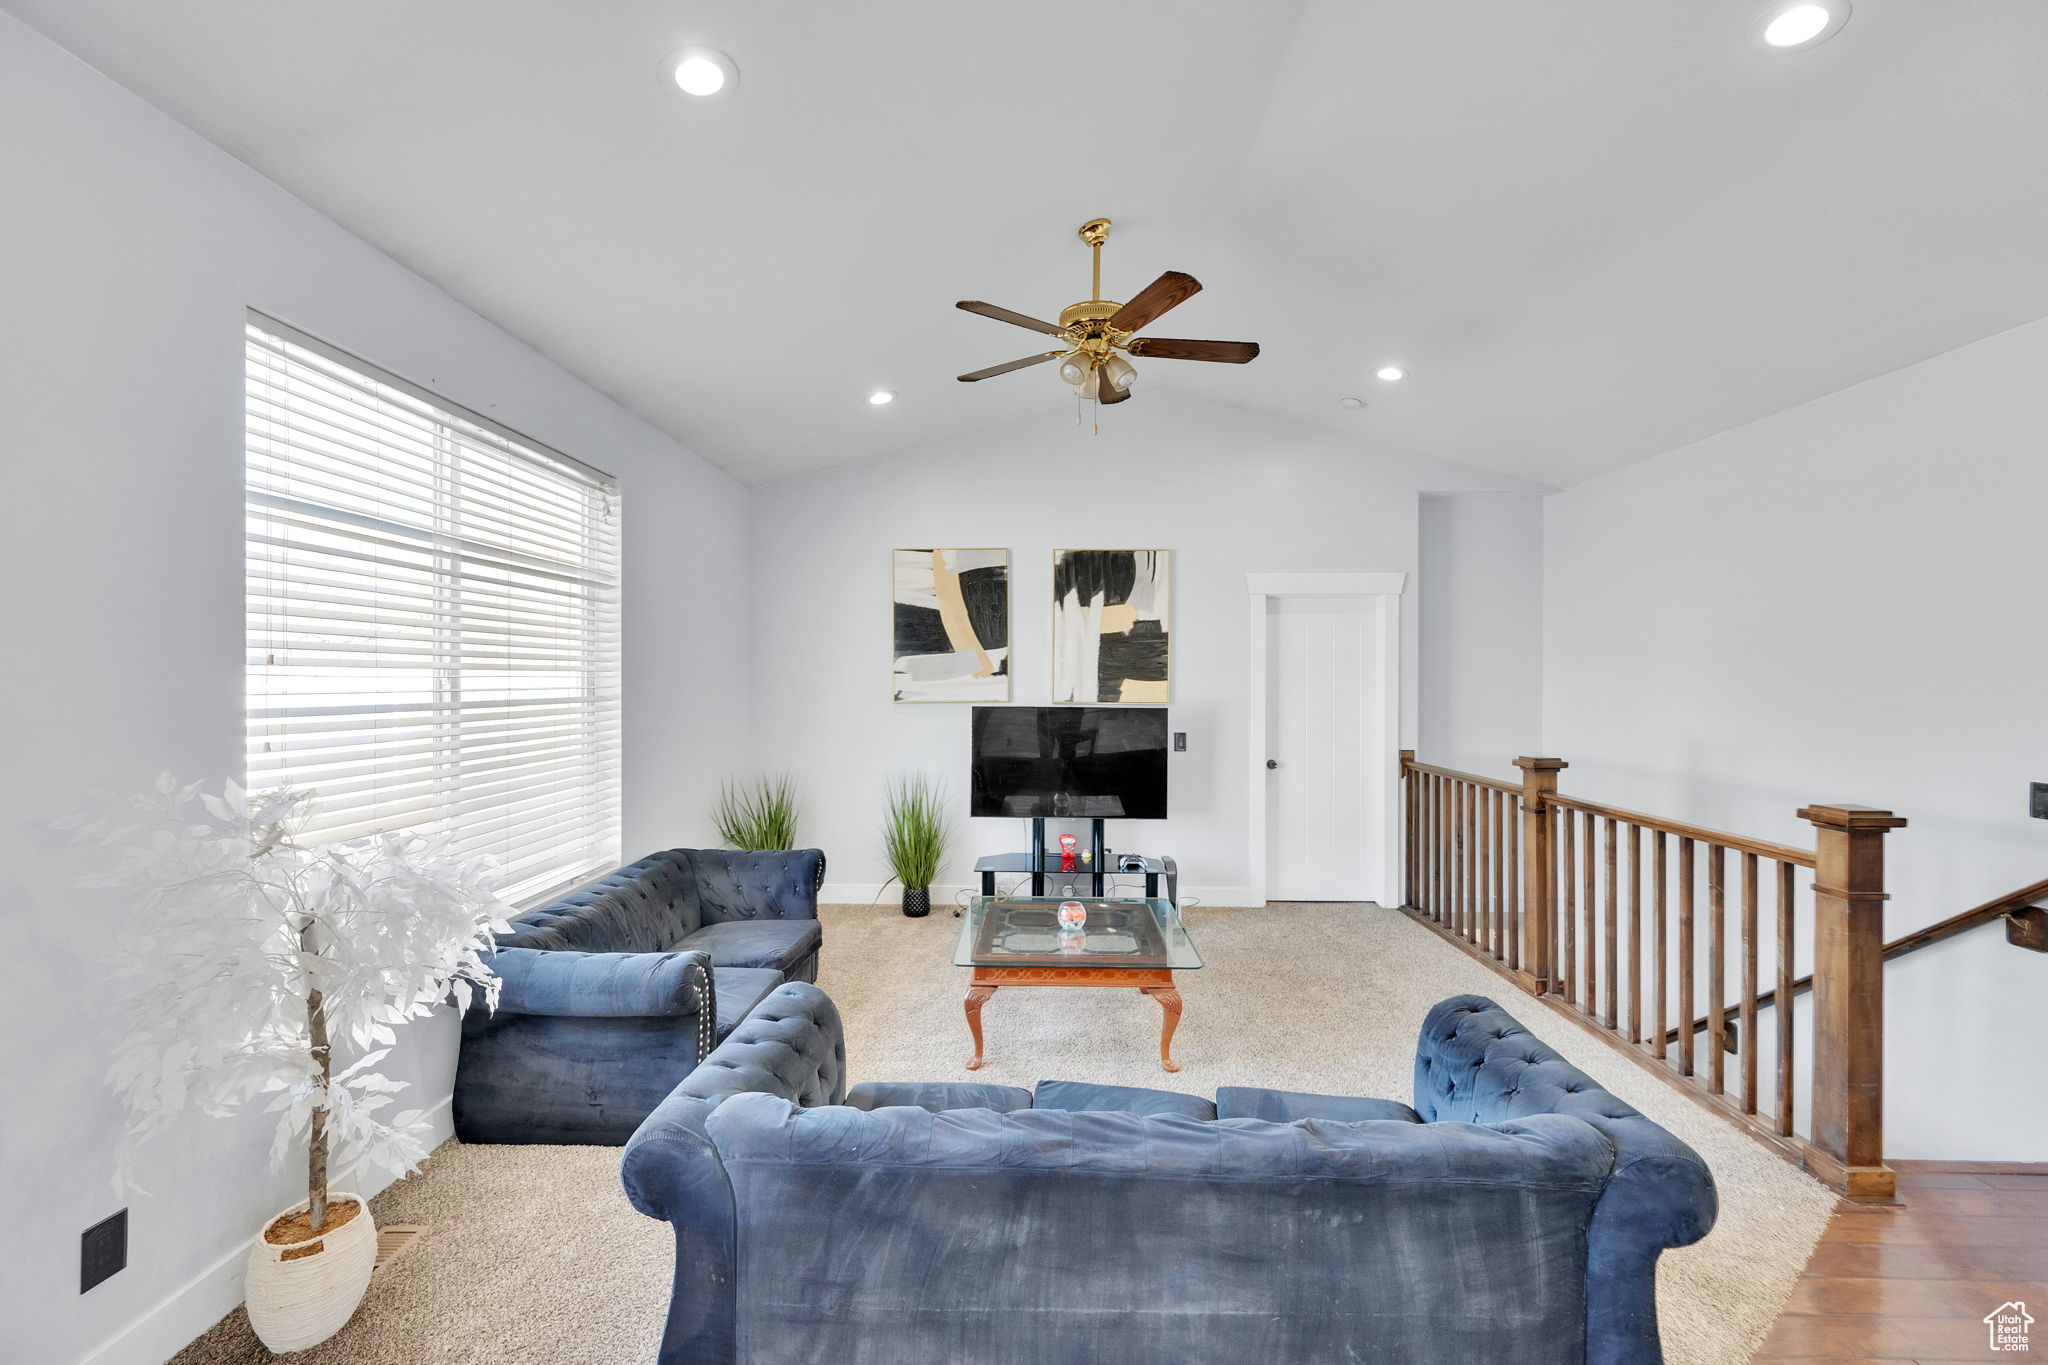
1324, 768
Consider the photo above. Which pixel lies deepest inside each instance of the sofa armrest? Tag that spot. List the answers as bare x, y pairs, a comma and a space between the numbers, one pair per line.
607, 985
1661, 1195
1475, 1063
790, 1046
764, 884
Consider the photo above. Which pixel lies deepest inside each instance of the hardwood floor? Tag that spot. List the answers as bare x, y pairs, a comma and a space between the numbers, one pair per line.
1912, 1282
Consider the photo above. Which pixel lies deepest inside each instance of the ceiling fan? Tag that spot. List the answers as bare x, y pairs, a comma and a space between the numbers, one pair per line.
1097, 333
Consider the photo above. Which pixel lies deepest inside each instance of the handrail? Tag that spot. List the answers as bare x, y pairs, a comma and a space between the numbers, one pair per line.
1739, 843
2002, 907
1474, 778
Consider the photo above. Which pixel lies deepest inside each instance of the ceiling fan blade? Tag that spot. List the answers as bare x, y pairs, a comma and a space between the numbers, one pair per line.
992, 371
989, 310
1106, 392
1168, 348
1168, 291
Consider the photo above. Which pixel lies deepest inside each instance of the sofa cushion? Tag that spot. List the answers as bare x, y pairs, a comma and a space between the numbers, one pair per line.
730, 884
739, 989
937, 1097
1285, 1106
777, 943
1123, 1099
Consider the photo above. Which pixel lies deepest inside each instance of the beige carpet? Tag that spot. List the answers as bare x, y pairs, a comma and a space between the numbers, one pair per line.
533, 1254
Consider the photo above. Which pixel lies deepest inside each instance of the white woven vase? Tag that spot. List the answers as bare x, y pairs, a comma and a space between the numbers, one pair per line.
301, 1302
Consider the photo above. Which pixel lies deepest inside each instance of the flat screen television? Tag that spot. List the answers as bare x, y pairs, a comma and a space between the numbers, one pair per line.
1070, 762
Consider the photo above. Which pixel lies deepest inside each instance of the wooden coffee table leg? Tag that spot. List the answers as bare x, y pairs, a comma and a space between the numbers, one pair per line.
977, 996
1169, 1001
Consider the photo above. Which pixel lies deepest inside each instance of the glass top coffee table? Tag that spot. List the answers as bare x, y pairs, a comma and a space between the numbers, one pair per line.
1132, 944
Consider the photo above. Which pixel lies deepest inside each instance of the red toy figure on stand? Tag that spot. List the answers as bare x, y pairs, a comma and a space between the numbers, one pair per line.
1068, 843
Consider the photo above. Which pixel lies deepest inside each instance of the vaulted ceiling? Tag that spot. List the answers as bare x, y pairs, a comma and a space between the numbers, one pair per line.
1591, 231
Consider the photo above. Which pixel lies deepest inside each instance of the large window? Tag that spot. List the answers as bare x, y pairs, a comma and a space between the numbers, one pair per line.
432, 617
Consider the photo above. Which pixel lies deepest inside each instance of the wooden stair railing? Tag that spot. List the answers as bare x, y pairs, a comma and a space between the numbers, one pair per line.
2026, 926
1549, 890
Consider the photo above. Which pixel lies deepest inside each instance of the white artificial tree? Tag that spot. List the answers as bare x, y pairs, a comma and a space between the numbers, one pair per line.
251, 955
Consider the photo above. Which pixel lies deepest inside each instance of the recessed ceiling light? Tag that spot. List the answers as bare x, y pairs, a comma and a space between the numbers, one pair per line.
1352, 403
699, 71
881, 398
1800, 23
1391, 372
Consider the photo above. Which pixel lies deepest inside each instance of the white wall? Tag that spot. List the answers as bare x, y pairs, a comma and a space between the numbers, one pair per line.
1844, 602
131, 248
1229, 492
1481, 631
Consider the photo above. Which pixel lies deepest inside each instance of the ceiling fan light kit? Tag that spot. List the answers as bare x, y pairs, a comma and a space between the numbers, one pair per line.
1099, 334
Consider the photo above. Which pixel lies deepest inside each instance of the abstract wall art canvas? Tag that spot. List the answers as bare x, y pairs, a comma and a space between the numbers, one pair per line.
952, 625
1111, 612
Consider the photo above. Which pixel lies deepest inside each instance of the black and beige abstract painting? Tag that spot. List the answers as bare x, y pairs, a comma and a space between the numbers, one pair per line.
1111, 611
952, 625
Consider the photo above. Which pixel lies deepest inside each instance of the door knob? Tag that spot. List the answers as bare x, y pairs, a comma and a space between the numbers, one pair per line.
1272, 763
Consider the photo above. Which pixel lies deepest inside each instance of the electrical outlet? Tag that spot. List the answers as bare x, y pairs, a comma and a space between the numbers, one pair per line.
1180, 741
102, 1251
2037, 800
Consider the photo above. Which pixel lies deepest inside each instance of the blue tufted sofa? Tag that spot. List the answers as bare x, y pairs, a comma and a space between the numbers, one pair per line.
610, 995
1512, 1216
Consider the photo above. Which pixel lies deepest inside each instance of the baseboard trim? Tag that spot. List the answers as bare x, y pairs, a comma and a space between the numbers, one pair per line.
187, 1312
946, 897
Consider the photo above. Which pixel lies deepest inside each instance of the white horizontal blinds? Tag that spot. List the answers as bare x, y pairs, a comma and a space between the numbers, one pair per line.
432, 618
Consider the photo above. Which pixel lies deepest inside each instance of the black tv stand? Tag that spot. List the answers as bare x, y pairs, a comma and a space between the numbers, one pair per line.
1038, 856
1041, 866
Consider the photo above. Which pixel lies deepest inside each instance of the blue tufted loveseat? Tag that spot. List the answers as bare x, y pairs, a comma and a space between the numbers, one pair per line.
1513, 1216
610, 995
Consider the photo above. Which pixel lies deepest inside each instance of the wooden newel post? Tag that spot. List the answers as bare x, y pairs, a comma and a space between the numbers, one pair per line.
1539, 876
1848, 999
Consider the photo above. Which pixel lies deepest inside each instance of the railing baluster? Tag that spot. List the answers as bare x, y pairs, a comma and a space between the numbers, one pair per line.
1717, 967
1443, 843
1481, 867
1685, 957
1483, 901
1471, 863
1408, 779
1635, 932
1748, 1014
1513, 804
1489, 852
1500, 876
1782, 1003
1590, 931
1658, 952
1458, 858
1610, 944
1567, 908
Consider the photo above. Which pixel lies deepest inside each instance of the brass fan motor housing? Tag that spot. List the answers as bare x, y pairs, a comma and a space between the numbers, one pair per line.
1087, 326
1091, 310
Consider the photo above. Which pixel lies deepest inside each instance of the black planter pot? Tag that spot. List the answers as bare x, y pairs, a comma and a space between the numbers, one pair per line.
917, 901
